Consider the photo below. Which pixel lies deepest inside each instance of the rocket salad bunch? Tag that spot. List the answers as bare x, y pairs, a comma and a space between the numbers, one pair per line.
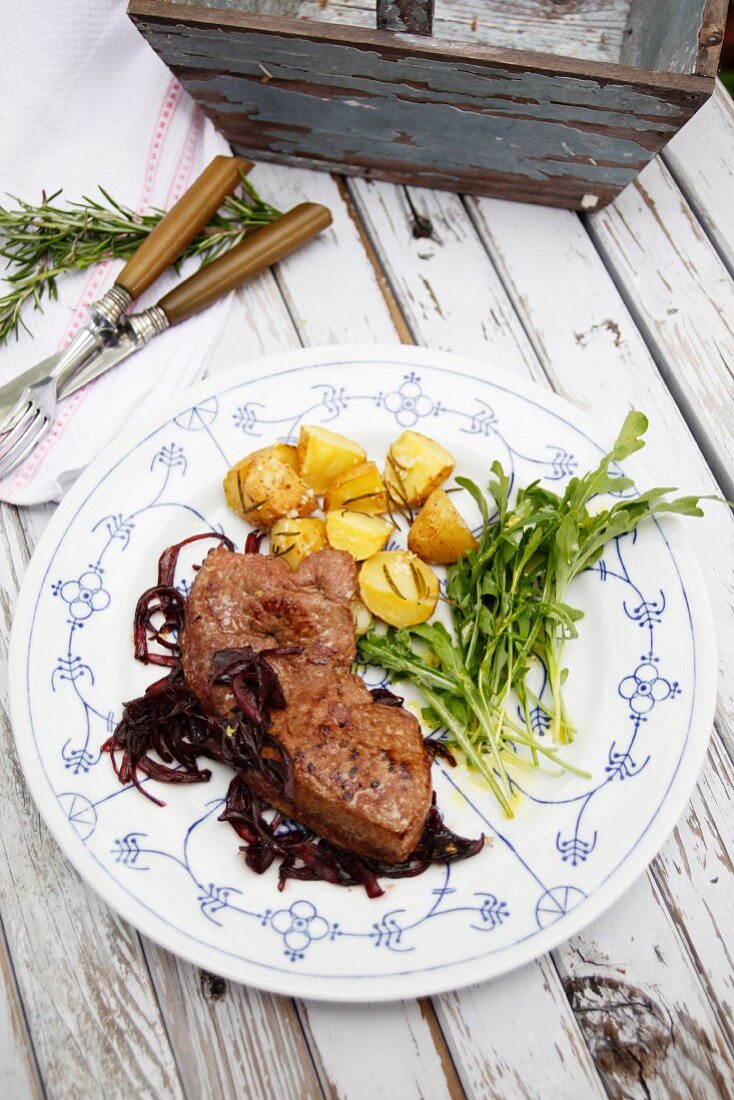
509, 612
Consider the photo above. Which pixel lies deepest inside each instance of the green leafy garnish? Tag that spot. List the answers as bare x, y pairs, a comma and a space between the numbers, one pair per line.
509, 612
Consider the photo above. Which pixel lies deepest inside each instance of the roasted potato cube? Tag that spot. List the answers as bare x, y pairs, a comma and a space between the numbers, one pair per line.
294, 539
415, 466
439, 533
398, 587
324, 455
358, 534
262, 488
360, 488
283, 452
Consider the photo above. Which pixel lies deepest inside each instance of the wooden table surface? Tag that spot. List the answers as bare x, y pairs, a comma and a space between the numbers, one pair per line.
630, 307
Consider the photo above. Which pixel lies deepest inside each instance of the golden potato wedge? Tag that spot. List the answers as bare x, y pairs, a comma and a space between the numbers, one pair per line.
358, 534
262, 489
324, 455
283, 452
360, 488
398, 587
415, 466
439, 534
294, 539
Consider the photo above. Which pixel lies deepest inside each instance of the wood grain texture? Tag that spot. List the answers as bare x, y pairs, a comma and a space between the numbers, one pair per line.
651, 984
485, 1023
687, 39
647, 1021
667, 44
701, 160
695, 873
88, 999
592, 29
477, 119
230, 1041
380, 1050
682, 298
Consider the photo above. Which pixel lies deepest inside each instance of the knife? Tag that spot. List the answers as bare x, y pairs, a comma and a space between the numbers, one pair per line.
264, 247
163, 245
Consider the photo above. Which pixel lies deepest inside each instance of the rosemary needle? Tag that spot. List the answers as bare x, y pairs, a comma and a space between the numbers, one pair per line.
42, 241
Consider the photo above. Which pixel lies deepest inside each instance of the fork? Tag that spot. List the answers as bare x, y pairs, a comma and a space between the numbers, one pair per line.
30, 419
26, 424
34, 411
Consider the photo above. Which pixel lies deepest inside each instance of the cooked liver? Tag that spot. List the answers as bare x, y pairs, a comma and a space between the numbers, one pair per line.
361, 772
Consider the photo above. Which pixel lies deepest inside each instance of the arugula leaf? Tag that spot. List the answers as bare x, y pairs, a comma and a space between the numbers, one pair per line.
510, 614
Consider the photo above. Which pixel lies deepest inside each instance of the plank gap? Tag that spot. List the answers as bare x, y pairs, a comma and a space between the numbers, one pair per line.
143, 941
698, 426
388, 291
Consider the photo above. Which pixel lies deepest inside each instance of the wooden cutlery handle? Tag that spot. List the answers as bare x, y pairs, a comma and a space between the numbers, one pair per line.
180, 225
263, 248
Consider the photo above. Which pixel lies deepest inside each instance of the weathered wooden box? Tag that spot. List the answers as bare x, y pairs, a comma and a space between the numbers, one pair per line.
552, 101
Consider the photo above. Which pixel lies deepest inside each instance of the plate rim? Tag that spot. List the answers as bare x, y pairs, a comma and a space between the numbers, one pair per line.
391, 987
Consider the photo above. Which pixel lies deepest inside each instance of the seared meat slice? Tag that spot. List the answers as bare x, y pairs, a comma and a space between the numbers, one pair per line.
361, 772
250, 599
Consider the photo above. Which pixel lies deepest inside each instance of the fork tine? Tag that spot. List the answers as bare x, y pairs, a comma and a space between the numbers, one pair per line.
24, 445
14, 436
22, 406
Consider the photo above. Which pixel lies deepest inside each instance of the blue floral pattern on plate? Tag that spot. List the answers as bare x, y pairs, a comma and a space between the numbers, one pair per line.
176, 871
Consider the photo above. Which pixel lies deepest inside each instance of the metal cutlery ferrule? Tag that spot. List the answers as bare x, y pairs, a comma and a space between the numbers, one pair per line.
145, 325
107, 311
104, 316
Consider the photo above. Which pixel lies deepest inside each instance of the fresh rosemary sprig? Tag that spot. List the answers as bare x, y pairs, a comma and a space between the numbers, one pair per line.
41, 242
509, 612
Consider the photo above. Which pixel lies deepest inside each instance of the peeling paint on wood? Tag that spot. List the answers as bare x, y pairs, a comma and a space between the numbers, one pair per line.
592, 29
393, 107
701, 158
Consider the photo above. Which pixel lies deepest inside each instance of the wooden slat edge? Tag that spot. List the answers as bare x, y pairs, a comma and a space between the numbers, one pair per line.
163, 13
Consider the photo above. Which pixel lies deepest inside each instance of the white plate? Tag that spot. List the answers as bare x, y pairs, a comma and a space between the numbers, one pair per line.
641, 689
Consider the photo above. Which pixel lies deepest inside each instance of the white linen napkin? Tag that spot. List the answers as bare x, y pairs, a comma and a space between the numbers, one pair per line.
85, 101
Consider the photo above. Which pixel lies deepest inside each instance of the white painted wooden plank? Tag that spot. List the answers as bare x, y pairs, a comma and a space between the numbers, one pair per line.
679, 984
695, 871
701, 158
19, 1077
258, 324
329, 287
681, 296
88, 998
594, 355
378, 1052
527, 1052
432, 256
231, 1041
647, 1021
